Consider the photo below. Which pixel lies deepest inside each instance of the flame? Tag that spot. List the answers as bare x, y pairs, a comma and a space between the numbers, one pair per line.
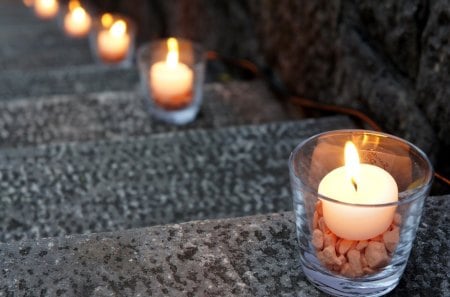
48, 3
352, 163
107, 20
73, 4
119, 28
172, 55
79, 13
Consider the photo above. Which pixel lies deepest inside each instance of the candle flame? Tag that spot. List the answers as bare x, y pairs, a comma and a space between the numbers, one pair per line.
48, 3
107, 20
119, 28
172, 55
79, 13
352, 163
73, 4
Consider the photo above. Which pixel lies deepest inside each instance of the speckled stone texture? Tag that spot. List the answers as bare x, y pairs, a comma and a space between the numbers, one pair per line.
16, 84
250, 256
118, 115
41, 46
105, 186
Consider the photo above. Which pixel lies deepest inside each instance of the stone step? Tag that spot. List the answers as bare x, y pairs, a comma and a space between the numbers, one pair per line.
120, 115
31, 39
14, 16
40, 46
66, 80
106, 186
250, 256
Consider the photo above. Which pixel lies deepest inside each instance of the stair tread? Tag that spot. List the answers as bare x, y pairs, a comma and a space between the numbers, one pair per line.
18, 84
119, 115
102, 186
250, 256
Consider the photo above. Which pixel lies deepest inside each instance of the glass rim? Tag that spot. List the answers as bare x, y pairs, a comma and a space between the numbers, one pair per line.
411, 194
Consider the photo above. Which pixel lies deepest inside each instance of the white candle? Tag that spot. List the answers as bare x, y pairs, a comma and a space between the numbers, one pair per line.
114, 43
46, 9
77, 22
357, 183
170, 80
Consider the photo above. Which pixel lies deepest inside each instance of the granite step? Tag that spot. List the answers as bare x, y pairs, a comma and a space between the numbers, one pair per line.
28, 39
249, 256
42, 46
120, 115
18, 84
76, 188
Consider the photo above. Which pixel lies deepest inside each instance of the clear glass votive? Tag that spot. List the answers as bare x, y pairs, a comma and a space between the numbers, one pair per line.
75, 19
112, 40
357, 248
46, 9
172, 74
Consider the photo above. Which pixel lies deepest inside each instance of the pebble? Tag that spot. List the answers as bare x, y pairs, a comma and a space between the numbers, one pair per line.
345, 245
353, 258
376, 254
317, 239
391, 238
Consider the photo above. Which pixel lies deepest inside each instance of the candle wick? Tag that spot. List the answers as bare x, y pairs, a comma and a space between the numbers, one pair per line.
355, 185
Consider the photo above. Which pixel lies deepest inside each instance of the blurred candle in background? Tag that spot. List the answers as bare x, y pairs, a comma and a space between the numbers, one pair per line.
170, 80
77, 22
46, 9
113, 40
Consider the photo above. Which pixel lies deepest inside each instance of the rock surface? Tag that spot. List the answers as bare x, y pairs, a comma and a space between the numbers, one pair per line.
118, 115
387, 58
17, 84
255, 256
55, 190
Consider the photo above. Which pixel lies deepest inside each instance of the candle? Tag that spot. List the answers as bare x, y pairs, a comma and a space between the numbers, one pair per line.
46, 9
77, 21
357, 183
113, 41
171, 80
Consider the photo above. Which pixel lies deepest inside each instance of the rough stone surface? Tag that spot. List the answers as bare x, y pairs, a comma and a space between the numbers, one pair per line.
251, 256
43, 46
105, 186
119, 115
386, 58
16, 84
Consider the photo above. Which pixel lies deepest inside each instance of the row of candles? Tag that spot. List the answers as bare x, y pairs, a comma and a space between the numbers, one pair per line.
112, 38
114, 33
354, 214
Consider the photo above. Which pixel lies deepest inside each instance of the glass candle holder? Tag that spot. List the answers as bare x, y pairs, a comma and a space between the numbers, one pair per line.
46, 9
112, 40
357, 247
75, 19
172, 75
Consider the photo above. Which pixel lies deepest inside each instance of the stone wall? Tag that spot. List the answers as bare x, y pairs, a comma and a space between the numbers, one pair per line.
389, 58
